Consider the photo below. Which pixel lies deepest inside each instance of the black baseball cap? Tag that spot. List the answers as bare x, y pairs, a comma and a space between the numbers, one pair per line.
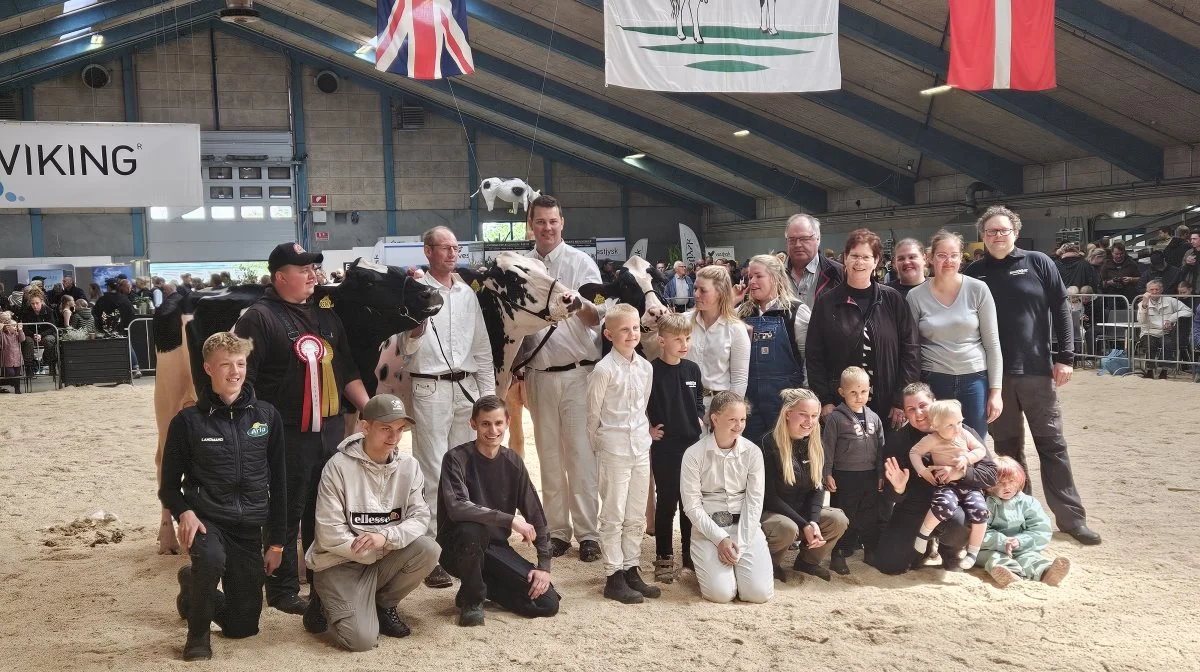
292, 254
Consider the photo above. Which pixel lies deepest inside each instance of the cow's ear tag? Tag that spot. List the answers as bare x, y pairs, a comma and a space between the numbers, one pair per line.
599, 300
475, 285
326, 302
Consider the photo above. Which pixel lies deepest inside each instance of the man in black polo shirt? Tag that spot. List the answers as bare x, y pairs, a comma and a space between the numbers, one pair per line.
1029, 296
299, 345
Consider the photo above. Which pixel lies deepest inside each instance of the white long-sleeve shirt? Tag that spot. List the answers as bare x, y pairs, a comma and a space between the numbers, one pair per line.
1154, 315
573, 341
723, 353
713, 480
463, 335
618, 392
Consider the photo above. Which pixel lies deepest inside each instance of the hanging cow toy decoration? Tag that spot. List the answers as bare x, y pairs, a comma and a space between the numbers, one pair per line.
513, 190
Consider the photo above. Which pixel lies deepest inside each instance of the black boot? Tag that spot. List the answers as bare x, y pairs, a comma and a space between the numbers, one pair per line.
634, 579
198, 647
617, 588
471, 615
390, 623
314, 617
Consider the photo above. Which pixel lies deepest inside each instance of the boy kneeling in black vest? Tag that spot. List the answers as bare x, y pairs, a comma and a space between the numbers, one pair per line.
224, 480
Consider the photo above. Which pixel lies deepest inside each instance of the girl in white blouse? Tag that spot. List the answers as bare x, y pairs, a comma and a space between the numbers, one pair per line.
722, 484
720, 343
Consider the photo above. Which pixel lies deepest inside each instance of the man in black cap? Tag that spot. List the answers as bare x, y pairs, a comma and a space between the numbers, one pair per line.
301, 364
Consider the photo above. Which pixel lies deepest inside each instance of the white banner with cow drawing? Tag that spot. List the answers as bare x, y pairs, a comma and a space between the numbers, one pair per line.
722, 46
97, 165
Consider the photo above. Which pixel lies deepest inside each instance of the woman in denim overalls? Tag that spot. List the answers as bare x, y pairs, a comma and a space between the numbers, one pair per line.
778, 322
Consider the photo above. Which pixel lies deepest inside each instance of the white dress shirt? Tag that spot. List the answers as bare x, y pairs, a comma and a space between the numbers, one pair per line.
722, 352
463, 336
682, 295
713, 480
618, 391
573, 341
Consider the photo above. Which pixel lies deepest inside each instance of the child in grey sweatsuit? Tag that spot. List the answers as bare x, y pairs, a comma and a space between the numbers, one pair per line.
853, 440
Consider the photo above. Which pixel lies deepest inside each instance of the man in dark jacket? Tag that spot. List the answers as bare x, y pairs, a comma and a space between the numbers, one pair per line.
1120, 273
1075, 270
114, 311
811, 272
1160, 270
223, 479
1177, 246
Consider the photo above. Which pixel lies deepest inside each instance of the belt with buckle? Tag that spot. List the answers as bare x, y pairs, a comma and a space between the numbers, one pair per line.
568, 367
711, 393
453, 376
725, 518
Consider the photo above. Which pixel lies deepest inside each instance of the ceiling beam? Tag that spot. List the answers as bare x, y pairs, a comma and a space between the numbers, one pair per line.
1115, 145
52, 29
471, 121
1161, 51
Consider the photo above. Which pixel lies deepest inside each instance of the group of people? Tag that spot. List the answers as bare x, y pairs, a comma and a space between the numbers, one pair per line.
808, 378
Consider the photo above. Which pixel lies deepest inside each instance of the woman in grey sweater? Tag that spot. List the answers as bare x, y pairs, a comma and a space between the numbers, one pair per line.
960, 340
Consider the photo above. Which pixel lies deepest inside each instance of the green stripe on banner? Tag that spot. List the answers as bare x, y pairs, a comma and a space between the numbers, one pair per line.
725, 49
725, 32
727, 66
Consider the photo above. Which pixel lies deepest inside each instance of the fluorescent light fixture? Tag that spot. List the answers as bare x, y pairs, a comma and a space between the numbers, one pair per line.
74, 34
97, 41
741, 134
1118, 214
935, 90
72, 5
635, 157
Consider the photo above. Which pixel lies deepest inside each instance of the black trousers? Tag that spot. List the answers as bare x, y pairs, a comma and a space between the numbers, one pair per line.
307, 453
666, 462
858, 497
894, 554
232, 556
489, 570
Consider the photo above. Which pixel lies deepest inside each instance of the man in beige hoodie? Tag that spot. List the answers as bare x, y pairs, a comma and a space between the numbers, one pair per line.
370, 549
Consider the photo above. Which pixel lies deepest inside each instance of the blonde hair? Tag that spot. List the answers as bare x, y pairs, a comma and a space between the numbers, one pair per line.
226, 341
722, 284
620, 311
942, 236
725, 398
778, 273
783, 439
940, 410
674, 324
854, 374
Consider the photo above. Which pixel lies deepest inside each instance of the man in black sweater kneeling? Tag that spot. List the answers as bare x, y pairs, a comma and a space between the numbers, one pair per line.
223, 479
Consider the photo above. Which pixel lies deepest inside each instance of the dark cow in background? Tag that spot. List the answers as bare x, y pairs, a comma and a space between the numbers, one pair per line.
374, 302
639, 284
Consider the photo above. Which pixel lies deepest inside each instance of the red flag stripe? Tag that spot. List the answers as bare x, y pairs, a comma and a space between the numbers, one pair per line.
452, 44
424, 32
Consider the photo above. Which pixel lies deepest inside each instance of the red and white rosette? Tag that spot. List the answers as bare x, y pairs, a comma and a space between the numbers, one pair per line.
310, 349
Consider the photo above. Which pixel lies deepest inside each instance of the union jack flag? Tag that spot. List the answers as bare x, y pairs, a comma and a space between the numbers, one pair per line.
423, 39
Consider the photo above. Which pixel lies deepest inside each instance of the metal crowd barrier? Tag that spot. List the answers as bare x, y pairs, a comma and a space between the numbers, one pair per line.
140, 333
31, 373
1104, 327
1157, 348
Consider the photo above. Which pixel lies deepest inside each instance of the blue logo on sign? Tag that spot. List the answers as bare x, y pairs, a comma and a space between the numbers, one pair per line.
10, 196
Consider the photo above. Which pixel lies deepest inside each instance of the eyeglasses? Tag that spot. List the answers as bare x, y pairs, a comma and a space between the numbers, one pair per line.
446, 248
860, 257
997, 233
799, 240
946, 256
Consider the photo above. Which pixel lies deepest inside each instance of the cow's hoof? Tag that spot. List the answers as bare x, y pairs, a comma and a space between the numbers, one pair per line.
699, 40
772, 31
680, 35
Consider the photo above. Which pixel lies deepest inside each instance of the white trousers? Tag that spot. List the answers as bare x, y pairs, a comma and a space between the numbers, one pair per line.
442, 415
624, 483
558, 403
750, 580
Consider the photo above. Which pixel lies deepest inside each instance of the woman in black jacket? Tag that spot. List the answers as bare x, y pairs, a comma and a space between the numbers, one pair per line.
40, 332
793, 506
863, 323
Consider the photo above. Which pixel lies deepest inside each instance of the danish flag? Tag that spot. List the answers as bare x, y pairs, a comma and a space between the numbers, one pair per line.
423, 39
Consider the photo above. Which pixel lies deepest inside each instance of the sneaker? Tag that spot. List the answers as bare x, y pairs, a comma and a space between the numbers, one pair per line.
1056, 572
968, 561
439, 578
664, 569
184, 576
198, 648
1084, 535
837, 563
390, 623
314, 616
634, 579
291, 604
559, 548
1003, 576
617, 588
471, 616
589, 551
814, 570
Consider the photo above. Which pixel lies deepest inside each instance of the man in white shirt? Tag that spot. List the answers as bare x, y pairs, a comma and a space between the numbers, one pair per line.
449, 365
678, 290
556, 387
1158, 316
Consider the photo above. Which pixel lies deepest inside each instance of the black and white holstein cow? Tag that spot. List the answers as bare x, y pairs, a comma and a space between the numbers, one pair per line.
373, 301
766, 20
640, 285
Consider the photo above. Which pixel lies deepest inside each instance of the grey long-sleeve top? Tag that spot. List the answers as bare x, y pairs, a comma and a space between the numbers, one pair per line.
961, 338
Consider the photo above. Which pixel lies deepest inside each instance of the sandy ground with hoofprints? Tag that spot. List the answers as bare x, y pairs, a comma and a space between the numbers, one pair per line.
87, 596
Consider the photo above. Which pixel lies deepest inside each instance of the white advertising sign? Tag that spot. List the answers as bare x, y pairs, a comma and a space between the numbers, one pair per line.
413, 254
689, 245
722, 253
611, 248
99, 165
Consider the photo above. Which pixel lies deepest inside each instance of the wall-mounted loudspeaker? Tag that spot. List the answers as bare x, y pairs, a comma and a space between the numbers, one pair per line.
95, 76
327, 82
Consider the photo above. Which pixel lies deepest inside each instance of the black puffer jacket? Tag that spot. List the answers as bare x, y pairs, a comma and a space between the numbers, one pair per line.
226, 463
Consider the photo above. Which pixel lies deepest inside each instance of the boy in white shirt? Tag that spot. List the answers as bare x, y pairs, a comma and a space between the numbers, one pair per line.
617, 394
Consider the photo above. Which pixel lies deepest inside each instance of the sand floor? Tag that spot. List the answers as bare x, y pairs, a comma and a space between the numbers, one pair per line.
83, 595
